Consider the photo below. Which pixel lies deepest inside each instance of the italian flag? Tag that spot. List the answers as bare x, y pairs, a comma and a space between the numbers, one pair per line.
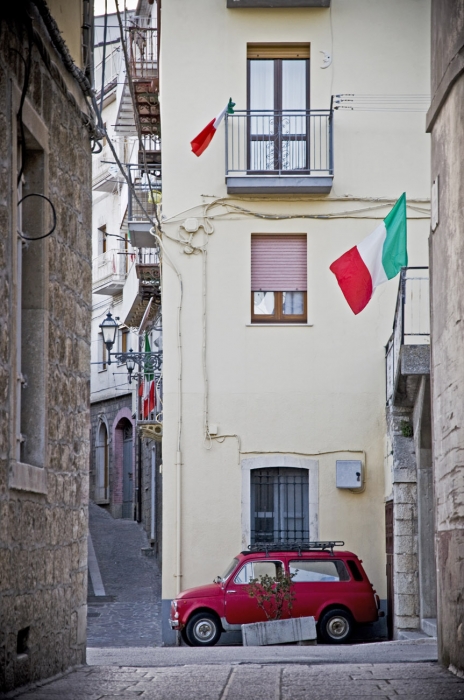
201, 142
148, 391
378, 258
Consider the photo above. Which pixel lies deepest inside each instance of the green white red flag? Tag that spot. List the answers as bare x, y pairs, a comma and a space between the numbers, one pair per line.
377, 259
201, 142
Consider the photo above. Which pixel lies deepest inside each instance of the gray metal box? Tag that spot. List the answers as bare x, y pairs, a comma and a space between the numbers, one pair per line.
349, 474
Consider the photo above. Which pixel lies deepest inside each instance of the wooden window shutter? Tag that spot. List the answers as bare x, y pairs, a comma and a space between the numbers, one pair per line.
278, 263
278, 50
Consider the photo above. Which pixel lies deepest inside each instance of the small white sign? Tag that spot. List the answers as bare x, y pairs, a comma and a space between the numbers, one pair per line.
435, 204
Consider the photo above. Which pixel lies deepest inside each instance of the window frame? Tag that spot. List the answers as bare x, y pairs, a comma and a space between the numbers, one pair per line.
334, 561
258, 561
278, 316
277, 110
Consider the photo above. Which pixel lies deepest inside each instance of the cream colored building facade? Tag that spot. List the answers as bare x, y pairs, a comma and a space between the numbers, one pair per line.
242, 396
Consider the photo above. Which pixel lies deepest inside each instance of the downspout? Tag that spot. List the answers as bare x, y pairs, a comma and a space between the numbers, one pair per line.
139, 455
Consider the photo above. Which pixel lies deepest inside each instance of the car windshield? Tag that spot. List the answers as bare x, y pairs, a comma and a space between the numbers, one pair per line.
229, 569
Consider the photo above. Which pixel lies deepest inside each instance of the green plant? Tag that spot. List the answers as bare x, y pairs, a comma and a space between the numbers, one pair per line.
273, 594
406, 428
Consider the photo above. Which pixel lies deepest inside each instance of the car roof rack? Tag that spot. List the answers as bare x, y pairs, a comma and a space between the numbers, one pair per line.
298, 546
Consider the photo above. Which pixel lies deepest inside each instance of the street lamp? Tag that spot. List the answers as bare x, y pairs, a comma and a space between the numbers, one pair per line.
108, 328
130, 364
151, 361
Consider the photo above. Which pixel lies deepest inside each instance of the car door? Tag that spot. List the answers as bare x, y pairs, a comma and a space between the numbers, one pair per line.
316, 583
240, 609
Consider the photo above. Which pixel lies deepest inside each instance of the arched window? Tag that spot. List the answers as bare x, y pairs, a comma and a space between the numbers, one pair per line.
279, 505
102, 494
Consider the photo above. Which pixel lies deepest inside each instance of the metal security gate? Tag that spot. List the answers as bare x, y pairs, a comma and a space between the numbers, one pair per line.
127, 473
279, 505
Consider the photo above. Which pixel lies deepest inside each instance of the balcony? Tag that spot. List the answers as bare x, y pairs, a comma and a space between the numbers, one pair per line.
279, 152
408, 349
143, 62
277, 3
108, 273
144, 198
141, 297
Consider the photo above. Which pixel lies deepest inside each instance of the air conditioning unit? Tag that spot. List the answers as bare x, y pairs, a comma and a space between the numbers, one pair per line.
153, 431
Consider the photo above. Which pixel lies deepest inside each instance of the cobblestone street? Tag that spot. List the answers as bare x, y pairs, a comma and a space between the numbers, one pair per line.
256, 681
130, 612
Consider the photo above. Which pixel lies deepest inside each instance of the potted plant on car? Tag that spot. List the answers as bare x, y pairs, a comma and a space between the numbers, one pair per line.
275, 595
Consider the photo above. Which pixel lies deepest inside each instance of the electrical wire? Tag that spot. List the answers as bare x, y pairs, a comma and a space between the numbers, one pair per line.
45, 235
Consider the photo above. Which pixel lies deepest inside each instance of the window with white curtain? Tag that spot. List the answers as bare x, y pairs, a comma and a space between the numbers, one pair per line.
278, 103
278, 278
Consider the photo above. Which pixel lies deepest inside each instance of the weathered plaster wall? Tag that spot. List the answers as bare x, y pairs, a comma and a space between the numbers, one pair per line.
447, 324
43, 520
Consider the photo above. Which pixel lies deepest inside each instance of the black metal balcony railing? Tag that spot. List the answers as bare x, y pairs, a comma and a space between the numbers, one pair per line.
279, 142
411, 325
147, 188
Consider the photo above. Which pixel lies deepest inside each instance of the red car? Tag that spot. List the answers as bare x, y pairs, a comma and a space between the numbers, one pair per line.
330, 585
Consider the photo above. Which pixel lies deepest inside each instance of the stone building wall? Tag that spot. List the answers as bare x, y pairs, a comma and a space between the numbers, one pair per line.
112, 412
152, 527
445, 122
43, 483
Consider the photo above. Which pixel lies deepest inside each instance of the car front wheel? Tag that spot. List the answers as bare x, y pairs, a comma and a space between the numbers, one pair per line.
203, 630
336, 626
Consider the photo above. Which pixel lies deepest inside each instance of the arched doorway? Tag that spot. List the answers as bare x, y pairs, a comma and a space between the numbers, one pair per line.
102, 466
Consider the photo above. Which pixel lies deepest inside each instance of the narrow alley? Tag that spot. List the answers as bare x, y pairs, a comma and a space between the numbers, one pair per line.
126, 612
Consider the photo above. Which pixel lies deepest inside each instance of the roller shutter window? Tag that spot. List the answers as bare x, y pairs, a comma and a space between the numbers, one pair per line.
278, 278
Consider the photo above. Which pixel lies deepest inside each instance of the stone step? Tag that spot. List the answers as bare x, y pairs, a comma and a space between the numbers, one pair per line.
412, 634
429, 626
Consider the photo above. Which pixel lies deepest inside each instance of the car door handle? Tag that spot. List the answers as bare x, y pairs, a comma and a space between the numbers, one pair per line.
231, 591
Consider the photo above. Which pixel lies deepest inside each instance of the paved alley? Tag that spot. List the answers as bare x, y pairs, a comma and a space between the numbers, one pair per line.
278, 673
129, 614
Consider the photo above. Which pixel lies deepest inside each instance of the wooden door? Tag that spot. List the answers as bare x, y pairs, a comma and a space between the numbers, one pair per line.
389, 548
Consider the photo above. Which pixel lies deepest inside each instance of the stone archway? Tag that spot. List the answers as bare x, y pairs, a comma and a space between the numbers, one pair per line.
124, 464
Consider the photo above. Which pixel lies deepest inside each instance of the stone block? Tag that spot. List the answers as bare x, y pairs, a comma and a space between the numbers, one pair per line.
406, 605
279, 631
406, 563
406, 583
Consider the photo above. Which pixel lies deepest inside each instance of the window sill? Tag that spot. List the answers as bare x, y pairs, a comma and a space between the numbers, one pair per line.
25, 477
278, 325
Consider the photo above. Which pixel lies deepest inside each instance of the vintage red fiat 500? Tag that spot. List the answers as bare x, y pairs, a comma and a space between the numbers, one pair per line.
329, 584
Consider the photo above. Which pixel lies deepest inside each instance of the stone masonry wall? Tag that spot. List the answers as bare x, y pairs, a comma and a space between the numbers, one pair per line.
43, 531
108, 410
446, 122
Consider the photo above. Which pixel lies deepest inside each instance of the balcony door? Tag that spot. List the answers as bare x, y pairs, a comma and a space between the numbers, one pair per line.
278, 104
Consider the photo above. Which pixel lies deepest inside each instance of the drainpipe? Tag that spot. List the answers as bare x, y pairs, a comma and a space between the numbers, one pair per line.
139, 457
179, 524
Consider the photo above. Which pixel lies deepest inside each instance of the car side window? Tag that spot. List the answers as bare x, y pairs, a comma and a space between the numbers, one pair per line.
313, 571
256, 569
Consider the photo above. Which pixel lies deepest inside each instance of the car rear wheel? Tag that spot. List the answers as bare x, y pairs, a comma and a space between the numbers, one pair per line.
336, 626
203, 630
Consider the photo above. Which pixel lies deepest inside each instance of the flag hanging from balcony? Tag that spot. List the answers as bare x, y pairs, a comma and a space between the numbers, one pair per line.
148, 398
377, 259
201, 142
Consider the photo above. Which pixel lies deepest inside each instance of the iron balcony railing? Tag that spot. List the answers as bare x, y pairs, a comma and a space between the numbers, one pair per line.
279, 142
109, 266
147, 188
411, 325
112, 66
143, 52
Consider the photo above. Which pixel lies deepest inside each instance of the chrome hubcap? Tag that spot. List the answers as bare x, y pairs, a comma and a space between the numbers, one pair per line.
337, 627
204, 630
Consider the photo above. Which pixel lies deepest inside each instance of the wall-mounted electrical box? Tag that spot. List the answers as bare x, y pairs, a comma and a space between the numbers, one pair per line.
349, 474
